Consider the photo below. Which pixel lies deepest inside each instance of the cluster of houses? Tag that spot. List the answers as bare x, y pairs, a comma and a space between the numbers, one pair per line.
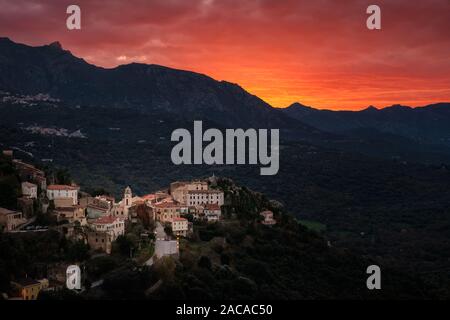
104, 218
169, 207
101, 216
100, 220
32, 178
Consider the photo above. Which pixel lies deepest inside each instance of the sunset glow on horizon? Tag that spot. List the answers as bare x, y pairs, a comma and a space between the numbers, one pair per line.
318, 53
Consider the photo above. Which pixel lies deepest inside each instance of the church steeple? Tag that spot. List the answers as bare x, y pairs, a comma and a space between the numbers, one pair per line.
128, 195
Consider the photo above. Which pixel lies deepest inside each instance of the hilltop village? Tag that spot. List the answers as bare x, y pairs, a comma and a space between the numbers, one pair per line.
100, 221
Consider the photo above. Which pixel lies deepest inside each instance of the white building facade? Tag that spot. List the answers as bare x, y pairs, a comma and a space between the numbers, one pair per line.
29, 190
201, 197
179, 226
212, 212
114, 226
55, 191
10, 220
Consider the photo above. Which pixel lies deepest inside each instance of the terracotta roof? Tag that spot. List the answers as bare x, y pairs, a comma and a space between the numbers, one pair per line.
150, 196
66, 209
204, 191
167, 205
25, 282
179, 219
106, 220
198, 181
97, 207
212, 206
28, 184
60, 187
27, 166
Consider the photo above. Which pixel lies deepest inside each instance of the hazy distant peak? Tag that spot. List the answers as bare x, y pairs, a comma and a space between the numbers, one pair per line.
299, 106
397, 107
56, 44
370, 108
5, 39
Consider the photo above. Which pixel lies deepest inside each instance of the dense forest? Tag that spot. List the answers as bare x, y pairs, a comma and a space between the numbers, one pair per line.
237, 258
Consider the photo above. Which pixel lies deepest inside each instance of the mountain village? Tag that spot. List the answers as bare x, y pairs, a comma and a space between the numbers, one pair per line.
100, 220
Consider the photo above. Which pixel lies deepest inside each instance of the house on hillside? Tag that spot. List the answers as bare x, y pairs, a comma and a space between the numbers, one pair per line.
27, 288
268, 218
114, 226
179, 226
201, 197
29, 190
57, 191
212, 212
71, 214
10, 220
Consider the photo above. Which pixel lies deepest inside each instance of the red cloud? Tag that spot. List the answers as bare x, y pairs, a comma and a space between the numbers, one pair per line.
317, 52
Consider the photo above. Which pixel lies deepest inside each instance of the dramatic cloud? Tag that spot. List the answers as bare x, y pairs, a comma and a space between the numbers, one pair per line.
319, 53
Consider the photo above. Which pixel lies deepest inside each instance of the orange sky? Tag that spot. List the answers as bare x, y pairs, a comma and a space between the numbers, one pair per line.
319, 53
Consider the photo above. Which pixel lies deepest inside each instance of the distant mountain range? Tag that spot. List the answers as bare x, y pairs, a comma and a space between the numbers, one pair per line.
429, 124
187, 95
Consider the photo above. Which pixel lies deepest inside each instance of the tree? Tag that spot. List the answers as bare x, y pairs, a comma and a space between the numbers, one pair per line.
9, 184
46, 219
204, 262
125, 245
9, 187
78, 251
100, 265
165, 268
225, 259
64, 294
100, 192
63, 177
168, 231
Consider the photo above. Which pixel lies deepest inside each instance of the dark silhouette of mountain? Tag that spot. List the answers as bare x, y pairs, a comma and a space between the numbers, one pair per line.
147, 88
183, 96
428, 124
188, 95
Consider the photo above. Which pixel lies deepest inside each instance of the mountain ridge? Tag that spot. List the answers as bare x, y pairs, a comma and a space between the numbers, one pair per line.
52, 70
428, 123
188, 96
370, 107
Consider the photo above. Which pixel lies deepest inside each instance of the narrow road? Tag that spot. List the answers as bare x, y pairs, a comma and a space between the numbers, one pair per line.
160, 233
30, 221
97, 283
163, 246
